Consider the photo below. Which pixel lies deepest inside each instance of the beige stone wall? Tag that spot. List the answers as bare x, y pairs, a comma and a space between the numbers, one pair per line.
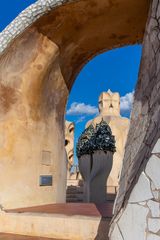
31, 123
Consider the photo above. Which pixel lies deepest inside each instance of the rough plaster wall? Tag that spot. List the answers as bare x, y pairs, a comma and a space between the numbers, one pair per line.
141, 217
31, 122
145, 128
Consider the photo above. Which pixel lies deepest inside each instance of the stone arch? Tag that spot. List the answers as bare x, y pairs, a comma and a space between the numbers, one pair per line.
42, 51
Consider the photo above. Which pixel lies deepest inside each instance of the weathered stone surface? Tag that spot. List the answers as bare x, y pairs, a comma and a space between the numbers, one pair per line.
142, 190
133, 222
156, 195
155, 208
31, 123
153, 225
146, 219
151, 236
142, 203
153, 188
116, 235
152, 170
156, 148
144, 131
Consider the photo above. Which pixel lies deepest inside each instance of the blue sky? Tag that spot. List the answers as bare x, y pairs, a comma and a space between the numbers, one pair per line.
116, 70
10, 9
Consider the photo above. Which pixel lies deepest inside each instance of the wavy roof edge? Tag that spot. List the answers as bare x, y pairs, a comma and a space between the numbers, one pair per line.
25, 19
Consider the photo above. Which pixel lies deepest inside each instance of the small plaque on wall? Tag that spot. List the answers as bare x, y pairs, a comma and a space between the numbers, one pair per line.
46, 158
46, 180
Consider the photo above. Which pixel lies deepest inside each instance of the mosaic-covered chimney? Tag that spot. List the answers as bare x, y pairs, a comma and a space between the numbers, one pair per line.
95, 149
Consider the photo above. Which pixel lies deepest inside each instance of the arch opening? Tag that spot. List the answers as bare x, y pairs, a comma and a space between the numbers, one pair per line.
59, 43
95, 97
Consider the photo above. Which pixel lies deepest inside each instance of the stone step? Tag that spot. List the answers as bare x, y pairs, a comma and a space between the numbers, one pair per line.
75, 195
74, 200
74, 187
74, 182
74, 192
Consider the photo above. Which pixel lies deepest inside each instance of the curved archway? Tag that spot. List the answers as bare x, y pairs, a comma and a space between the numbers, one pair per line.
37, 71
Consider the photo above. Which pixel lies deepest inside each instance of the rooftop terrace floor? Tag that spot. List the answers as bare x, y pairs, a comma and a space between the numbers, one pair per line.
70, 209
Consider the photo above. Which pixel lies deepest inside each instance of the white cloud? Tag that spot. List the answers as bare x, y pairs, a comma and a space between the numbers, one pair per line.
81, 109
126, 102
80, 119
87, 109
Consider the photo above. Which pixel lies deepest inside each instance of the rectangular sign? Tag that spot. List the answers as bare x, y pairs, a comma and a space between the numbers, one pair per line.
46, 180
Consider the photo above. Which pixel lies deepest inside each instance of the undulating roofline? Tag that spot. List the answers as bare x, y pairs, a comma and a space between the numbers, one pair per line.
26, 18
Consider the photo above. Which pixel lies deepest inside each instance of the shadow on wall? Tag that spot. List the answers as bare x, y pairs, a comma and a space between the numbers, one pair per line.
103, 229
106, 216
